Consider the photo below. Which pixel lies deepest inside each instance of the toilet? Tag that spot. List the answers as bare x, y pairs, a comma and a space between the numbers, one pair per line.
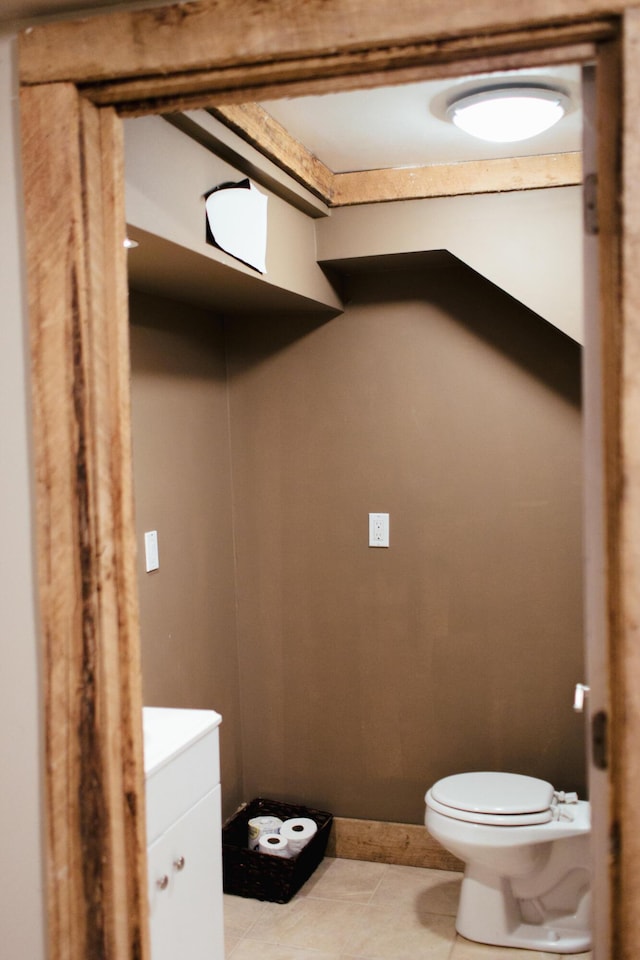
526, 853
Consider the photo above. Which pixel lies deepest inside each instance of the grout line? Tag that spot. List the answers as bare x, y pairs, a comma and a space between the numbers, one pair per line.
382, 875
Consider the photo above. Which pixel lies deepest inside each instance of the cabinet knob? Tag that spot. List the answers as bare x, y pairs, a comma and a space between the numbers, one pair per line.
179, 863
163, 882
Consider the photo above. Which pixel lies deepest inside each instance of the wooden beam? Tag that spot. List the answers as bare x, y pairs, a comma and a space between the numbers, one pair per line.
95, 832
455, 179
203, 35
228, 85
262, 131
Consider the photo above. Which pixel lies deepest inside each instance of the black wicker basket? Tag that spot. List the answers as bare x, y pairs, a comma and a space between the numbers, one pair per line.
248, 873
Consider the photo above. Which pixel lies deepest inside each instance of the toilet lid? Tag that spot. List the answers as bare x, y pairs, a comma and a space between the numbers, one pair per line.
501, 798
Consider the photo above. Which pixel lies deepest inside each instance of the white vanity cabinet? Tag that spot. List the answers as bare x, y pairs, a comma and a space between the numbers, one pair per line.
184, 838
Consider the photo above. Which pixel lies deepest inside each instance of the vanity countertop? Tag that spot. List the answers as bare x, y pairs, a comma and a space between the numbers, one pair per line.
168, 730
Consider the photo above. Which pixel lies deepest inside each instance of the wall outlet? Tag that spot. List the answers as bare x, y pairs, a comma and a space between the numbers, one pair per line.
378, 529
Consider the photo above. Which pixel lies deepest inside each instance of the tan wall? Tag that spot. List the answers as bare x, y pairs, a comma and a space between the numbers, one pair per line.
183, 490
366, 674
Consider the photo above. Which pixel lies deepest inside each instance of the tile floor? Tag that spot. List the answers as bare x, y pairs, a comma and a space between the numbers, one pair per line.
355, 909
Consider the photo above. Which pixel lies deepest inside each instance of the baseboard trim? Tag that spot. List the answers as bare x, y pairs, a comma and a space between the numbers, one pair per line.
408, 844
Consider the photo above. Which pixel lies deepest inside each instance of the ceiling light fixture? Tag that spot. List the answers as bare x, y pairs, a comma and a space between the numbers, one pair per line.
508, 114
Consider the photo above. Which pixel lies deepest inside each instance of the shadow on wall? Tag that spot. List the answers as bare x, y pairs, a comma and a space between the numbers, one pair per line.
534, 344
175, 339
281, 332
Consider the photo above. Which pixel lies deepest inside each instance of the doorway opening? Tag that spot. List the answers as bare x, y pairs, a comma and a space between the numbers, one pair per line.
520, 223
76, 162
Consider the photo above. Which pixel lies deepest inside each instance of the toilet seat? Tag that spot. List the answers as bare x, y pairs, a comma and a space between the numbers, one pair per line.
502, 799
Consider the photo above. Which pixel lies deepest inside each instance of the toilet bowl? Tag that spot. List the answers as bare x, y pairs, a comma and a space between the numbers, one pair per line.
526, 853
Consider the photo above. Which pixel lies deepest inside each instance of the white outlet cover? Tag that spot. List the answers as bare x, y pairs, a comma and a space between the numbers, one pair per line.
378, 529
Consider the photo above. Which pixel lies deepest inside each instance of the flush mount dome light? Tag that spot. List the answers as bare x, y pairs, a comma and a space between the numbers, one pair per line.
507, 114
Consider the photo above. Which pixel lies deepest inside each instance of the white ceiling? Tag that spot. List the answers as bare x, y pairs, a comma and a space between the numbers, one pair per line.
405, 125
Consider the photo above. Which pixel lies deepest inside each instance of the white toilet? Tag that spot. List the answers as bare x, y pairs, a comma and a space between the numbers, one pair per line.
526, 853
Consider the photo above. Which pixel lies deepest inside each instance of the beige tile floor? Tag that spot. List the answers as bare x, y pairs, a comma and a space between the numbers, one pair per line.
353, 909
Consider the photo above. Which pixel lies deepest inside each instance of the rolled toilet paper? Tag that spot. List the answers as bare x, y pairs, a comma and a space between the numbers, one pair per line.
260, 826
274, 844
298, 831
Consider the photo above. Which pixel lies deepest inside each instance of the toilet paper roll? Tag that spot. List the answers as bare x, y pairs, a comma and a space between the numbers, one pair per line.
260, 826
298, 831
274, 844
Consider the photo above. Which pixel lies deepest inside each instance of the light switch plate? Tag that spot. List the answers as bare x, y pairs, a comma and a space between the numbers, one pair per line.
151, 550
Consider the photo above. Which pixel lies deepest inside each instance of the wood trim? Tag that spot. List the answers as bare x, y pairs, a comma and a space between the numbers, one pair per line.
186, 38
455, 179
227, 85
624, 507
408, 844
595, 579
261, 130
96, 872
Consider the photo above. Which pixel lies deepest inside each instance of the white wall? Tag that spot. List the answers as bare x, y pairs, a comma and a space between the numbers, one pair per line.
21, 886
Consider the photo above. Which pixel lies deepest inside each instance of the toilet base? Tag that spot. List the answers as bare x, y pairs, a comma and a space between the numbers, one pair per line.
489, 913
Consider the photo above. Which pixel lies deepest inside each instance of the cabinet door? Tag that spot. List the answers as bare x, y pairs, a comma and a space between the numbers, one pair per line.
186, 916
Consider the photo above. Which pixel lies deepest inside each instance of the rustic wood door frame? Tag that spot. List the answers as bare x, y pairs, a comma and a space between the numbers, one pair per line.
76, 77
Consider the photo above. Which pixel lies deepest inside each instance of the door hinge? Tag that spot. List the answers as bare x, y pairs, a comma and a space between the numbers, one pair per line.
590, 200
599, 740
